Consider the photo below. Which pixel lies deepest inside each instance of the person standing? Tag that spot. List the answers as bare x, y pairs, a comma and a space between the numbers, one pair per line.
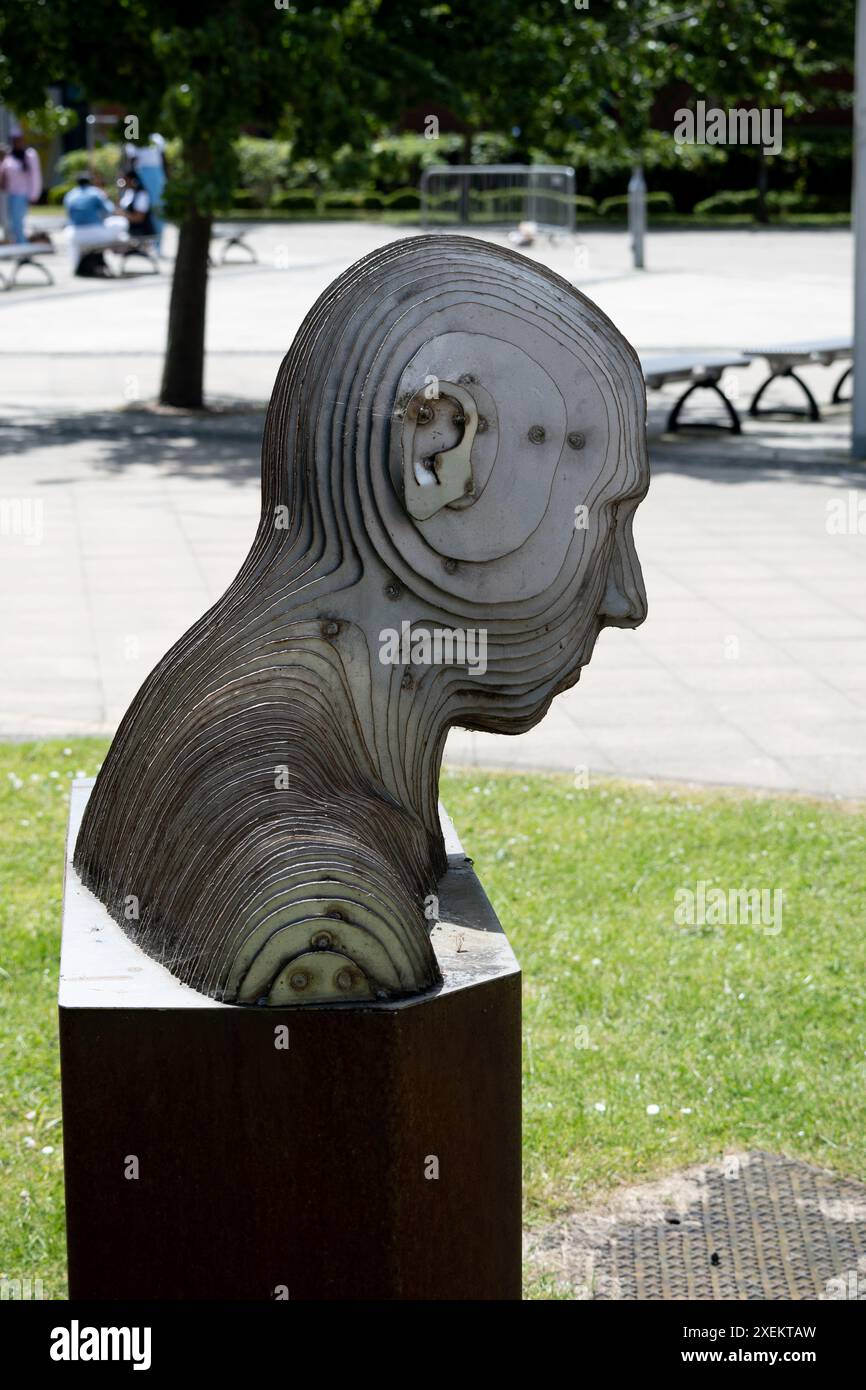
149, 164
21, 180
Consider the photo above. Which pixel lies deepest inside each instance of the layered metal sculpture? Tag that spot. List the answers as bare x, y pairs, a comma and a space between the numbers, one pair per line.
453, 453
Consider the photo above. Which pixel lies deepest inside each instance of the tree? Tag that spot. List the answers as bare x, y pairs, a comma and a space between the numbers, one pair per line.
490, 62
201, 73
770, 55
619, 59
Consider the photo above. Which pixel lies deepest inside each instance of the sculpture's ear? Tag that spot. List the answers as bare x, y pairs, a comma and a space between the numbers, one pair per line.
439, 428
479, 428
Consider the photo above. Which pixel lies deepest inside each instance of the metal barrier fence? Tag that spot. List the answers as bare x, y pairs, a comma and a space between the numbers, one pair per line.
498, 195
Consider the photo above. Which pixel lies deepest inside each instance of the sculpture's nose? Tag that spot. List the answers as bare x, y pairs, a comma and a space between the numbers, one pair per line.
624, 602
620, 607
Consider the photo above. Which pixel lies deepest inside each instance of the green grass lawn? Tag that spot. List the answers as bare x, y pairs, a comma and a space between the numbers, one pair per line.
647, 1045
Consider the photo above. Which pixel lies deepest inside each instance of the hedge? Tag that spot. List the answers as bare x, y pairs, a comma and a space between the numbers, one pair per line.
617, 207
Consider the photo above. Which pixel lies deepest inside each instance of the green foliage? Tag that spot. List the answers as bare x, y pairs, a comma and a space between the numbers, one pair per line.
782, 202
201, 73
106, 160
402, 200
348, 200
486, 147
617, 207
398, 160
389, 162
297, 200
263, 166
47, 119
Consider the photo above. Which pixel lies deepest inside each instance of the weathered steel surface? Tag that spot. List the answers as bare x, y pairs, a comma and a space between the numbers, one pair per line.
272, 790
368, 1153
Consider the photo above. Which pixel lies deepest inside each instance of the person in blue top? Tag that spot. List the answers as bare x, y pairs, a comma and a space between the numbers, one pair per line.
86, 205
87, 208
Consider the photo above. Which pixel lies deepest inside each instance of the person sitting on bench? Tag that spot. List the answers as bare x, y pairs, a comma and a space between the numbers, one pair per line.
136, 206
90, 224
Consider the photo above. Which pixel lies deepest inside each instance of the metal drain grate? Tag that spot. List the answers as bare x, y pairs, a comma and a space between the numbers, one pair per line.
758, 1226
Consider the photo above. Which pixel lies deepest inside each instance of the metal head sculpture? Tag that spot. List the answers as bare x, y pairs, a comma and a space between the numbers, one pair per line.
453, 453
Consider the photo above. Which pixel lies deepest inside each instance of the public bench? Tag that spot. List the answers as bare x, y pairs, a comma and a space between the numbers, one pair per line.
702, 371
783, 358
231, 236
142, 246
24, 253
121, 246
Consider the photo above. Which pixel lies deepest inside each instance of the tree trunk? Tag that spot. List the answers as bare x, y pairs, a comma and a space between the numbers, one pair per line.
183, 371
761, 210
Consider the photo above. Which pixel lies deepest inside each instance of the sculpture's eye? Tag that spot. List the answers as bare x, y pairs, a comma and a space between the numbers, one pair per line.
438, 433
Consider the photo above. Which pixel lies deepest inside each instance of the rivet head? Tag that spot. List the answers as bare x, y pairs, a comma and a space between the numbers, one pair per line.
407, 682
483, 425
536, 434
299, 980
392, 590
450, 566
576, 440
469, 489
467, 379
425, 415
322, 940
330, 629
343, 980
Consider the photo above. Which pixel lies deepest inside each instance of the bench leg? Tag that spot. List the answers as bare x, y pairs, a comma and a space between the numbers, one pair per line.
812, 405
34, 265
734, 427
143, 255
242, 246
837, 396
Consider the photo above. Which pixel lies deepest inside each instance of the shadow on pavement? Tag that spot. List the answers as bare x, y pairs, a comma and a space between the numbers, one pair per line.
223, 445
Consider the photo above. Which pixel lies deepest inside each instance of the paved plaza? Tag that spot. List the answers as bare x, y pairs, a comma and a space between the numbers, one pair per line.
121, 525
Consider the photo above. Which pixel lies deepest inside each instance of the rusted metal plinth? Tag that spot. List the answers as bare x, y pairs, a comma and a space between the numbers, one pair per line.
350, 1152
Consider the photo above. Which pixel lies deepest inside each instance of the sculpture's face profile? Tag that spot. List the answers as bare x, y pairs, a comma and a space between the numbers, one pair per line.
518, 480
453, 454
